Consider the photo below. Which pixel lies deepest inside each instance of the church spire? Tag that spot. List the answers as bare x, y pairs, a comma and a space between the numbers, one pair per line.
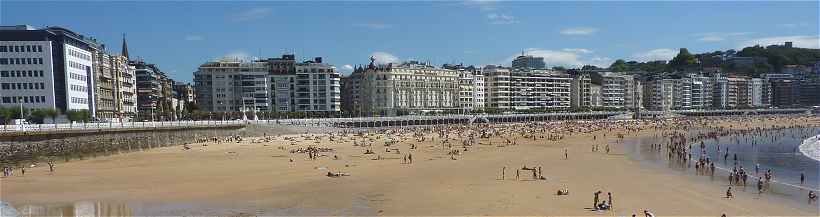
124, 47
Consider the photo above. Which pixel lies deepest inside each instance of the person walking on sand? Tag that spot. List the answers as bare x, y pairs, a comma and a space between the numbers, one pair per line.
647, 213
503, 172
802, 178
812, 197
609, 198
410, 158
566, 155
595, 200
51, 166
729, 193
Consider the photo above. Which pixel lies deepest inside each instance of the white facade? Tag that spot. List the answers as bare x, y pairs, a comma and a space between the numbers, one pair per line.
471, 90
27, 75
231, 86
528, 89
406, 88
79, 79
756, 92
317, 88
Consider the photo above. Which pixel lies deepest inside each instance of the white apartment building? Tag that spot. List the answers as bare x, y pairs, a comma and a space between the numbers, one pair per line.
521, 89
406, 88
471, 90
580, 92
232, 86
45, 68
497, 91
659, 94
317, 88
618, 91
691, 92
756, 93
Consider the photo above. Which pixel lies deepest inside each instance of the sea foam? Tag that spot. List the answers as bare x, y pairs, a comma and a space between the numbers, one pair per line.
811, 147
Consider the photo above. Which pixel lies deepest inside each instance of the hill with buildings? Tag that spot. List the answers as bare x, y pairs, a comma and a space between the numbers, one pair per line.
749, 61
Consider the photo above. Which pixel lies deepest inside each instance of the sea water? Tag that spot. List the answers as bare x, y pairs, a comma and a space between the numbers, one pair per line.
787, 152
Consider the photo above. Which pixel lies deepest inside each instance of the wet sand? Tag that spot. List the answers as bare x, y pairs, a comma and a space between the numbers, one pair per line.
255, 178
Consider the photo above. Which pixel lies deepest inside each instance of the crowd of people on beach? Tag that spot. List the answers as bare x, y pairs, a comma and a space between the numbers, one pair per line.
683, 137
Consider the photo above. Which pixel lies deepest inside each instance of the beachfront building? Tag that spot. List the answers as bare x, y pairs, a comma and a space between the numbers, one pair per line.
471, 95
528, 62
498, 92
185, 92
693, 92
523, 89
115, 84
580, 93
350, 93
49, 68
231, 85
316, 88
270, 85
757, 93
154, 92
595, 97
618, 91
659, 94
737, 92
410, 87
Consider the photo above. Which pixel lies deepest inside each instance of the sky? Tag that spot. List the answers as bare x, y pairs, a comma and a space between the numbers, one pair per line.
179, 36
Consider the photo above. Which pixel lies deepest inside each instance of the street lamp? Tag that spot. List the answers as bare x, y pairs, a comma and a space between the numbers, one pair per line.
20, 100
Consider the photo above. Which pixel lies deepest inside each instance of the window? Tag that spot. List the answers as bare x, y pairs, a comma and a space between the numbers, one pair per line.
6, 99
39, 48
4, 74
28, 48
28, 61
4, 61
5, 86
3, 49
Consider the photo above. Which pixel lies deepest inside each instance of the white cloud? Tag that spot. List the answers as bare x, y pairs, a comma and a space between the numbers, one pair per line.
249, 15
566, 57
718, 36
238, 55
577, 50
346, 69
803, 41
579, 31
501, 19
602, 62
194, 38
656, 54
384, 57
373, 25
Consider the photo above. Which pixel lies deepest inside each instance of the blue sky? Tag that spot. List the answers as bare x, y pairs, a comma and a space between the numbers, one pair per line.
178, 36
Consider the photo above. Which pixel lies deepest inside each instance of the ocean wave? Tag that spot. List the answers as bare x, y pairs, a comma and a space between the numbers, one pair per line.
811, 147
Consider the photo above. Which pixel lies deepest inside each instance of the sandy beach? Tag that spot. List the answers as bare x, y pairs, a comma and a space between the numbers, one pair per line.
259, 177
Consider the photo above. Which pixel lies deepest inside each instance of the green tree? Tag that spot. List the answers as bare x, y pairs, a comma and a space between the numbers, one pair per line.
37, 116
683, 61
619, 66
52, 113
79, 115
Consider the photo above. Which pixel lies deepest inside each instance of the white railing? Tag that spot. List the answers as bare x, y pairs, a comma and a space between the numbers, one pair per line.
115, 125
